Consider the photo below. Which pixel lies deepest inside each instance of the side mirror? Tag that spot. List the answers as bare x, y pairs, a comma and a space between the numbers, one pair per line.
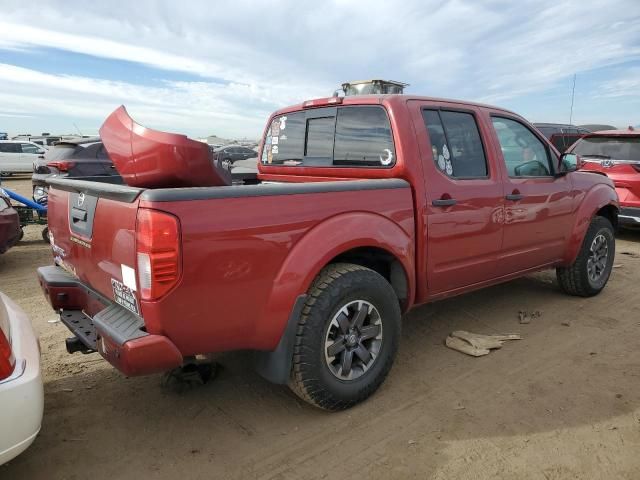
569, 162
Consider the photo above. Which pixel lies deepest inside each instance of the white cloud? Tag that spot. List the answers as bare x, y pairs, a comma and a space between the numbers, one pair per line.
251, 58
195, 106
624, 84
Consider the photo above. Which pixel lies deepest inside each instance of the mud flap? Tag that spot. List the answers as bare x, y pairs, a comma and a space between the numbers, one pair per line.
275, 366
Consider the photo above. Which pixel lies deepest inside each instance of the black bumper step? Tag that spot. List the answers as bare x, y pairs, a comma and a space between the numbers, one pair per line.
82, 327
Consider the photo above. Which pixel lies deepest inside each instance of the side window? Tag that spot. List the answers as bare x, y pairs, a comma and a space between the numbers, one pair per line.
9, 148
524, 154
29, 148
363, 137
455, 143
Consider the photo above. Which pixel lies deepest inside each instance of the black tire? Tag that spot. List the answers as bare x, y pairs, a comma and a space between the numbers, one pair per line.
21, 234
340, 287
45, 234
576, 279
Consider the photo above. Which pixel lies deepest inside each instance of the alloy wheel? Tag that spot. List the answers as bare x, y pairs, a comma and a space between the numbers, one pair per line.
353, 340
598, 257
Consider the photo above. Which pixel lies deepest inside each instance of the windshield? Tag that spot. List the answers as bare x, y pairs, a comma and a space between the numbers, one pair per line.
617, 148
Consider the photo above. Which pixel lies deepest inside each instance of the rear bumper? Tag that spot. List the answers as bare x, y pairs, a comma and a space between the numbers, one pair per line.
21, 394
104, 326
629, 216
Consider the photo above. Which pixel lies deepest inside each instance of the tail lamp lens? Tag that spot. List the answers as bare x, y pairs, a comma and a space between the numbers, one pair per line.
7, 360
62, 166
158, 253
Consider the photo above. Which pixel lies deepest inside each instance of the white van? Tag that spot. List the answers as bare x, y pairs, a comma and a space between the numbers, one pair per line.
18, 156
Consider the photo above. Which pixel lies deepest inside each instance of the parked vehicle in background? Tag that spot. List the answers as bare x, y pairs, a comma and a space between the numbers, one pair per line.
82, 157
229, 154
562, 136
364, 207
18, 156
616, 154
21, 392
597, 127
4, 136
45, 139
10, 231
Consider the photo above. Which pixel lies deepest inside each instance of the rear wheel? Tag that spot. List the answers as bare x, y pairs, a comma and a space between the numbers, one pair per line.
588, 275
347, 337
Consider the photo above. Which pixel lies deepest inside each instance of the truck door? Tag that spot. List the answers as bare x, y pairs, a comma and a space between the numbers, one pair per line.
9, 157
538, 208
465, 197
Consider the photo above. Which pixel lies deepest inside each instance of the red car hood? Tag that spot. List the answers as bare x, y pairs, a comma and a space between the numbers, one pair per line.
153, 159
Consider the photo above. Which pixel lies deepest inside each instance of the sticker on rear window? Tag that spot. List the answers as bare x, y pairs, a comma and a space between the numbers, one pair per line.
388, 157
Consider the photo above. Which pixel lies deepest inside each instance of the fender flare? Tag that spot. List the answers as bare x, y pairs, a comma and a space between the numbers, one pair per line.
336, 235
601, 195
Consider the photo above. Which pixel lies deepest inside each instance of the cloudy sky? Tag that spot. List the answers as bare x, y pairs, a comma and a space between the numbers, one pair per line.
203, 67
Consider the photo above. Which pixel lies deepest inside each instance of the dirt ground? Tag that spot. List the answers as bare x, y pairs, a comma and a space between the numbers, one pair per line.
563, 402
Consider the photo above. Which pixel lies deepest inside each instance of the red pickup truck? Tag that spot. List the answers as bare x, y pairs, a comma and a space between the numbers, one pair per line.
363, 208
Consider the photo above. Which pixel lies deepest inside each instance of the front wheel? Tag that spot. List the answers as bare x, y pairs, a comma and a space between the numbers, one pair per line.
347, 337
588, 275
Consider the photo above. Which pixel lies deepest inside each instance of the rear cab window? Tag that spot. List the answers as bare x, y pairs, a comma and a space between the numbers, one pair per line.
349, 136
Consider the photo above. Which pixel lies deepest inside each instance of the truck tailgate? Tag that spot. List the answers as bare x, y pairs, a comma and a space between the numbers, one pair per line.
92, 233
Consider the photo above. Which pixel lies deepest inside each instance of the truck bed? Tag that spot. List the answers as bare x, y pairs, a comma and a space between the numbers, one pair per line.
245, 250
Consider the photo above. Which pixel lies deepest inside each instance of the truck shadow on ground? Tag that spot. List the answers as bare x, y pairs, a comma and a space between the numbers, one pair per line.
630, 235
570, 370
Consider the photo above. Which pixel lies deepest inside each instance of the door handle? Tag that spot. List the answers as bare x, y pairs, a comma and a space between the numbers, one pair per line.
444, 202
78, 215
514, 197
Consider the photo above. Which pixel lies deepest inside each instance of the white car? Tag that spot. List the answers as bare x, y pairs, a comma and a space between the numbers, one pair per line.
21, 392
18, 156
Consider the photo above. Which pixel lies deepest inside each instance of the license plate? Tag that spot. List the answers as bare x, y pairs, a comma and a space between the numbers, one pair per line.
124, 296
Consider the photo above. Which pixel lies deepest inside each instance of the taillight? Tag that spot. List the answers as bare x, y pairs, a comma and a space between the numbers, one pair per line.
158, 253
63, 166
7, 360
320, 102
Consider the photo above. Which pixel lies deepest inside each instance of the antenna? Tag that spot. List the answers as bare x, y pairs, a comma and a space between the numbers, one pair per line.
573, 92
74, 124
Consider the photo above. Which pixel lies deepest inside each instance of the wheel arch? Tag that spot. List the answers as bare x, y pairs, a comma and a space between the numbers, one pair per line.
601, 200
384, 263
364, 238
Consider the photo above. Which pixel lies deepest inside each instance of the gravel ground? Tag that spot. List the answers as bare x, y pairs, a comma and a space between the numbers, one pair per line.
563, 402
